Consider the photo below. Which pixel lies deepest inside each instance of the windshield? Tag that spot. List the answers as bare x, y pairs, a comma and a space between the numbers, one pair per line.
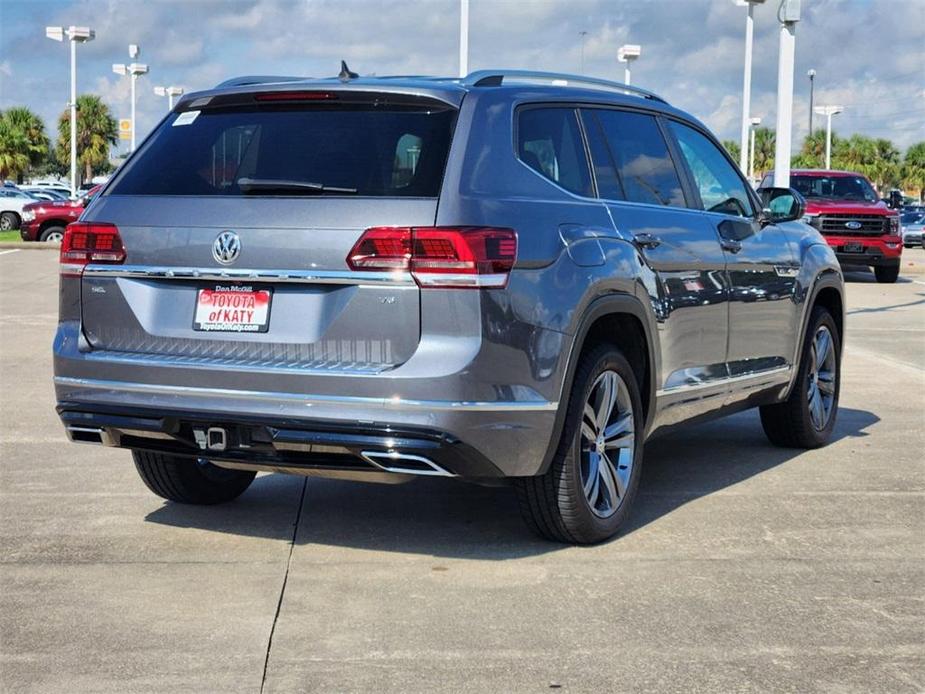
834, 187
365, 149
912, 217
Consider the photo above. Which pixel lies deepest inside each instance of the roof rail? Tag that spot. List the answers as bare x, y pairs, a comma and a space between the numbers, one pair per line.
258, 79
495, 78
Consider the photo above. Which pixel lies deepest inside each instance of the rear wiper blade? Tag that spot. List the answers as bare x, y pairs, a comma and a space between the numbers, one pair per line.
249, 185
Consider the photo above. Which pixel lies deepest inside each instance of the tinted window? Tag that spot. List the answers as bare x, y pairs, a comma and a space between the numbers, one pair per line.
548, 140
362, 150
720, 186
834, 187
605, 173
641, 156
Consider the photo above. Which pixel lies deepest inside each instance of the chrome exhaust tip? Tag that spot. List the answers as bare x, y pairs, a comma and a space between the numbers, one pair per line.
85, 434
404, 463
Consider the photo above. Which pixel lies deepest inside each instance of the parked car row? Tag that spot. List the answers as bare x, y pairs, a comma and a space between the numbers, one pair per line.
40, 206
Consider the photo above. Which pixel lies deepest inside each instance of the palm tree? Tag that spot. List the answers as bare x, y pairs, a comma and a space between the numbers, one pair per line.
765, 140
913, 169
812, 153
23, 142
97, 131
733, 148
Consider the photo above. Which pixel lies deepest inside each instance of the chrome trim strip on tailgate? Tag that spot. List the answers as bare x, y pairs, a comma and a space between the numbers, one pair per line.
339, 400
249, 275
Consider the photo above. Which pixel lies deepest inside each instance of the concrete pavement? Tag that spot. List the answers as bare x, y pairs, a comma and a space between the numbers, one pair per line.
746, 567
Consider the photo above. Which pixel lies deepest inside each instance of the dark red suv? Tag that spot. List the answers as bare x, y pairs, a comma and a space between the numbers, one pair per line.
856, 223
46, 220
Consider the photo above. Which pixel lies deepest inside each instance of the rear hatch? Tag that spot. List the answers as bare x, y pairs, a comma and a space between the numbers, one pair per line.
237, 218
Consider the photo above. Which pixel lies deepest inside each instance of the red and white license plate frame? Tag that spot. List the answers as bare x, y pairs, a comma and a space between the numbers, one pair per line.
232, 309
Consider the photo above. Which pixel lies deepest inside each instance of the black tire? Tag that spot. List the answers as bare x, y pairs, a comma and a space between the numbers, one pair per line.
554, 505
190, 480
789, 424
886, 274
9, 221
47, 234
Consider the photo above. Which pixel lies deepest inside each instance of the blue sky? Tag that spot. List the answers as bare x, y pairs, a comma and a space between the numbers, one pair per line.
868, 54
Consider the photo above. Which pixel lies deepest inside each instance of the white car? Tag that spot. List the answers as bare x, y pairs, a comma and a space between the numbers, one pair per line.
913, 227
12, 201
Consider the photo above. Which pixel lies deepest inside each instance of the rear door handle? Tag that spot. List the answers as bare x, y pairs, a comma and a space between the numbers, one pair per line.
731, 245
646, 240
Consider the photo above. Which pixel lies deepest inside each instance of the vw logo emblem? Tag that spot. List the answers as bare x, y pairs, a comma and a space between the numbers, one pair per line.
853, 225
226, 248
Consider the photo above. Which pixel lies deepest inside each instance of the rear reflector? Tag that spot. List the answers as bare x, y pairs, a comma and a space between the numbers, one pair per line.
439, 256
90, 242
295, 96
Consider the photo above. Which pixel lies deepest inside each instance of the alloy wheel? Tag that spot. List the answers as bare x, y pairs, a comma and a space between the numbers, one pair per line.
820, 390
608, 444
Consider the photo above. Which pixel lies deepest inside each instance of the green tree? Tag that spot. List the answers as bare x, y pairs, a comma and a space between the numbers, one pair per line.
733, 148
97, 131
812, 152
23, 143
913, 169
765, 141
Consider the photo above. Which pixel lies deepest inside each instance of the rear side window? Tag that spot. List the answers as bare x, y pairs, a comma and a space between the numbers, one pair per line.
549, 141
363, 150
643, 163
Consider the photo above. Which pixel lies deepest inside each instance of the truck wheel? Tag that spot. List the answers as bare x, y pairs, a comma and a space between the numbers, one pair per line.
806, 418
52, 235
190, 480
9, 221
588, 490
886, 274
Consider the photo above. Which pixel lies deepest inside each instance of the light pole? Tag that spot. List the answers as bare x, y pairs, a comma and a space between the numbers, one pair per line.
828, 112
75, 35
812, 79
627, 54
754, 122
463, 38
582, 34
788, 14
134, 70
747, 79
170, 93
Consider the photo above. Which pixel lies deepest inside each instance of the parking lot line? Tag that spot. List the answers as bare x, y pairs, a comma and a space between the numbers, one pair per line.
12, 250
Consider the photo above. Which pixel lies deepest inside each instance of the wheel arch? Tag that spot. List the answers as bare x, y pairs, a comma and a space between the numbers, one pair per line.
827, 290
621, 320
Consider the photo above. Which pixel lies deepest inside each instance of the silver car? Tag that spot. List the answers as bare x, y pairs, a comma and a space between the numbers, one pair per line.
912, 228
505, 278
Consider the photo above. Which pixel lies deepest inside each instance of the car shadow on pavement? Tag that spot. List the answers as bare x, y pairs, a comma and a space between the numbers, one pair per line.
450, 519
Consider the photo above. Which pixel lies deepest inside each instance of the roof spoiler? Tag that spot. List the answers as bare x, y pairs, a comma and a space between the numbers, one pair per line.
248, 80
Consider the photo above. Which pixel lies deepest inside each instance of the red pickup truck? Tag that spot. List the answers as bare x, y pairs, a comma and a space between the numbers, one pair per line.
845, 208
46, 220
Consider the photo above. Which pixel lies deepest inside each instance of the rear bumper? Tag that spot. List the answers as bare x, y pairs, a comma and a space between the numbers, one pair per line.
504, 430
279, 443
875, 251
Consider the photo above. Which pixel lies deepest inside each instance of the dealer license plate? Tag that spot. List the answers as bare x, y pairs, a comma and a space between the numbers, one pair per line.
232, 310
853, 247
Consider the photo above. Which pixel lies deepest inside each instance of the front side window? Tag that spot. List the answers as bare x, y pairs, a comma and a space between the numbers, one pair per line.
549, 142
721, 189
641, 156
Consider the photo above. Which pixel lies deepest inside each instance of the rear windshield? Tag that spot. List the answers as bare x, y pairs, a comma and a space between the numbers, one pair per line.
264, 150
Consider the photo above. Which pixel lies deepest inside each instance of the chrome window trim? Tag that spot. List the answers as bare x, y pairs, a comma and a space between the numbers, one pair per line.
393, 403
250, 275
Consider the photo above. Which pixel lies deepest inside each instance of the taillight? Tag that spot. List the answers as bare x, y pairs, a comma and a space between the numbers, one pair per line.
90, 242
439, 256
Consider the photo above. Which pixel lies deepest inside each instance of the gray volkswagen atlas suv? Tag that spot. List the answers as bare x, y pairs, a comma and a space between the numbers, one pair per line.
510, 277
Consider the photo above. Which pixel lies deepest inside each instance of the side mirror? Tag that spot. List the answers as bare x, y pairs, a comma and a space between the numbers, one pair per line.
780, 205
896, 199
